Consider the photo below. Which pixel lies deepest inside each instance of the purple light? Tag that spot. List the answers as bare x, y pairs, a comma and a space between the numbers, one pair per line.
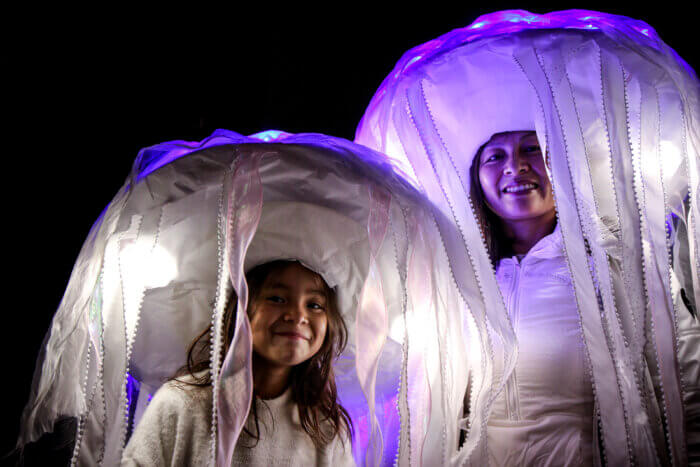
154, 157
269, 136
514, 21
133, 387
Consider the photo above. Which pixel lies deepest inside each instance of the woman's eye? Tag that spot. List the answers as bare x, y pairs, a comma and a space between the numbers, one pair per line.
492, 158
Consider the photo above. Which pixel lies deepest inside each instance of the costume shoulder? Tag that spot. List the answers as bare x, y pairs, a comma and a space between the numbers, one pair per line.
689, 361
174, 430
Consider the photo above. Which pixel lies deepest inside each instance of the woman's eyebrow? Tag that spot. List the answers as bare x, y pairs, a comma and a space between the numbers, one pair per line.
530, 136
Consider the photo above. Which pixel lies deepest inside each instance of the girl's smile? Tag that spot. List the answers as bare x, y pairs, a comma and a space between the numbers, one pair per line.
288, 317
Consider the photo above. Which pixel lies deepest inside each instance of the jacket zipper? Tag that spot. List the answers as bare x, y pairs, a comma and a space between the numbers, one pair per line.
511, 388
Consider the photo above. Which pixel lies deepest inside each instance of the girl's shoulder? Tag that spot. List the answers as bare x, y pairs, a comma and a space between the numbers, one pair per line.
175, 429
181, 394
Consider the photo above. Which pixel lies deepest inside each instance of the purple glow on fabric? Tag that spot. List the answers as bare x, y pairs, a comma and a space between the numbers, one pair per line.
387, 413
503, 23
514, 21
133, 387
154, 157
132, 390
270, 136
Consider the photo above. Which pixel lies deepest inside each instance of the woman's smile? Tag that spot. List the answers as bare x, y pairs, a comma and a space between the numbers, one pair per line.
513, 177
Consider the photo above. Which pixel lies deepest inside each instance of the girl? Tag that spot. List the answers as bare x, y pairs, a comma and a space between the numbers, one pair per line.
295, 419
545, 413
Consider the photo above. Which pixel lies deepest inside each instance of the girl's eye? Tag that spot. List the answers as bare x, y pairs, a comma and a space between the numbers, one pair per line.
315, 306
532, 148
275, 299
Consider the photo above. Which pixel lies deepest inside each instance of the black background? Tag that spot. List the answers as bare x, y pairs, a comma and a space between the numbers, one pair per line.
86, 89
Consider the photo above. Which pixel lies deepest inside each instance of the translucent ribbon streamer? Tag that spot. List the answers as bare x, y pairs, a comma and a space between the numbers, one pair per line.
371, 321
419, 325
234, 387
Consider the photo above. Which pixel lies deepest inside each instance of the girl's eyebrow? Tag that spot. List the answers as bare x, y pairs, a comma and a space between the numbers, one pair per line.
280, 285
316, 292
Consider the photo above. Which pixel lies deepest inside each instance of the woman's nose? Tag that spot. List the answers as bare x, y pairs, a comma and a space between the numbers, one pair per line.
515, 164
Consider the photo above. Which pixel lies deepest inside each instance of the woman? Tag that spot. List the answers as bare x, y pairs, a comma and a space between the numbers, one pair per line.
616, 112
546, 409
297, 334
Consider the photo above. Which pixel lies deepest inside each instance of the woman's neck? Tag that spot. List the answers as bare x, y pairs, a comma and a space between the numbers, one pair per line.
269, 381
524, 234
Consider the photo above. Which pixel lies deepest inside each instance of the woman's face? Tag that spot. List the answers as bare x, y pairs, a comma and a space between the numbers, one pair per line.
513, 177
289, 316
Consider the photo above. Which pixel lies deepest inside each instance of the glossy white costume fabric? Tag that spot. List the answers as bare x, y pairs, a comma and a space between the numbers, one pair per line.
544, 416
191, 219
617, 113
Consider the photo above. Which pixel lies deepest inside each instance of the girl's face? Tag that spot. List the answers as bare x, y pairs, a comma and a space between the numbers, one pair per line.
513, 177
289, 316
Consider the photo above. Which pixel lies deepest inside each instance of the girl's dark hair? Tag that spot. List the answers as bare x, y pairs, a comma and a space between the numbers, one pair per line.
312, 382
496, 243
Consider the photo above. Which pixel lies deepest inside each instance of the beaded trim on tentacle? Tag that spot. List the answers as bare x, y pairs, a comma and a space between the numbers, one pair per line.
644, 227
587, 357
689, 195
625, 274
586, 232
638, 192
130, 340
469, 255
82, 421
123, 401
402, 389
432, 162
484, 337
669, 268
218, 312
542, 69
480, 228
601, 262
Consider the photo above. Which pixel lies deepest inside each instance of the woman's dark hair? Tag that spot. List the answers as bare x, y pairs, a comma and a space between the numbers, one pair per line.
312, 382
496, 243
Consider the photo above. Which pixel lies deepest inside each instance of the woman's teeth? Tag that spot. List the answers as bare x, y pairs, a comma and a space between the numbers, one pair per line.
519, 188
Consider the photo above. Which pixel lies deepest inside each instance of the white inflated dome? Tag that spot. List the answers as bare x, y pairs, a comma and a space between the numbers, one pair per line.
160, 263
618, 114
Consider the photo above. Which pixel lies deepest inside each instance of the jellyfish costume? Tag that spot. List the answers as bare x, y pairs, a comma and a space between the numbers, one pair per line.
161, 261
617, 113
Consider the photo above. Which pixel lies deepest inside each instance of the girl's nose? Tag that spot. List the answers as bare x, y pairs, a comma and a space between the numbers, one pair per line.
296, 313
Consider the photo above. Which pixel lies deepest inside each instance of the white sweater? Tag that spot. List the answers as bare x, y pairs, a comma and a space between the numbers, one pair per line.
176, 429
